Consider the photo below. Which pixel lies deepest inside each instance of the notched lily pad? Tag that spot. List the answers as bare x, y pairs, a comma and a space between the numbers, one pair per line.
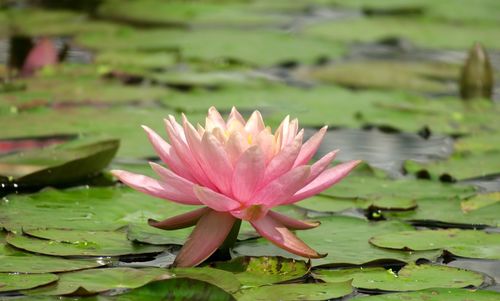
258, 271
410, 277
55, 166
14, 282
464, 243
78, 243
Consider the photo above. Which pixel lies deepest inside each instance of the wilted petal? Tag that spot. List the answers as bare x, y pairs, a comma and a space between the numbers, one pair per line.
154, 187
324, 181
167, 154
185, 220
279, 235
284, 160
282, 188
215, 200
310, 147
208, 235
248, 172
171, 179
292, 223
216, 163
255, 123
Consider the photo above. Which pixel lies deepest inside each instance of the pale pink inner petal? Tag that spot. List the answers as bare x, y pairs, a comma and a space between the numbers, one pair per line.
216, 163
265, 140
154, 187
235, 146
215, 200
235, 116
284, 160
214, 120
248, 172
279, 235
326, 179
208, 235
255, 124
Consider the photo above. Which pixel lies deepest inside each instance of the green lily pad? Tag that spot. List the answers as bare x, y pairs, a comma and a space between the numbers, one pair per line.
286, 292
142, 232
464, 243
345, 239
101, 280
215, 45
223, 279
436, 294
63, 164
411, 277
177, 289
480, 201
421, 77
258, 271
79, 243
135, 60
461, 166
425, 33
448, 212
87, 209
324, 203
14, 282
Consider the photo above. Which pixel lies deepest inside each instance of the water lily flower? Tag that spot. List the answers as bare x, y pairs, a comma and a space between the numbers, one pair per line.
237, 170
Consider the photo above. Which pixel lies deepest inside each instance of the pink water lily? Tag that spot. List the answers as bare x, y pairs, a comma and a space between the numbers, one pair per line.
236, 169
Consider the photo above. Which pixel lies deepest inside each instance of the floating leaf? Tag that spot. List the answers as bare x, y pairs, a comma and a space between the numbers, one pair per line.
101, 280
480, 201
286, 292
223, 279
339, 236
79, 243
411, 277
14, 282
257, 271
177, 289
436, 294
60, 165
464, 243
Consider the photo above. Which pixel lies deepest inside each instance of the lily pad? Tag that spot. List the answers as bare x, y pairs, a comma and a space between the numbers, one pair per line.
464, 243
79, 243
258, 271
332, 204
87, 209
60, 165
411, 277
14, 282
344, 234
142, 232
177, 289
223, 279
269, 47
101, 280
480, 201
289, 292
436, 294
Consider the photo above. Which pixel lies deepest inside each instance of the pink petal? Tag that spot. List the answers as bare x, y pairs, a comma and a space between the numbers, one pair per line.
185, 220
292, 223
186, 156
310, 147
279, 235
281, 189
167, 154
255, 123
182, 185
214, 119
284, 160
324, 181
215, 200
248, 173
216, 163
154, 188
43, 54
208, 235
321, 165
265, 140
235, 146
282, 132
292, 131
235, 115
